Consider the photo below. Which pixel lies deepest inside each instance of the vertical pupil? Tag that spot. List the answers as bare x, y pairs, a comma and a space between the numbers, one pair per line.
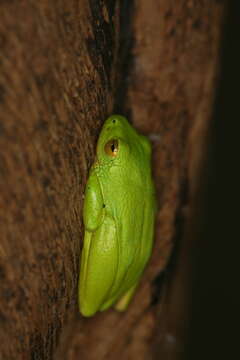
111, 147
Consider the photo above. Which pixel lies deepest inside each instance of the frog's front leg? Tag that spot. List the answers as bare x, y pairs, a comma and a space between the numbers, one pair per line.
93, 207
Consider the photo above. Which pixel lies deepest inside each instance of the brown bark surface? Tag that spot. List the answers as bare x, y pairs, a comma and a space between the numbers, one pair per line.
56, 63
65, 66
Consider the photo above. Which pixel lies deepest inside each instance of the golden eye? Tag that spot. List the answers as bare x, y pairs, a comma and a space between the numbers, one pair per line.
111, 147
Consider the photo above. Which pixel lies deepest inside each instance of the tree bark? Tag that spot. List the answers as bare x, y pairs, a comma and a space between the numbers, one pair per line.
56, 89
65, 66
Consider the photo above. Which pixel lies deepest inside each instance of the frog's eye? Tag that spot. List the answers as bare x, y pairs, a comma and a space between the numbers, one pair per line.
111, 147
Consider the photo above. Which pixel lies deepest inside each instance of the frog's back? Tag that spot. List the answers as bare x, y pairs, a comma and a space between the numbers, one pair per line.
133, 211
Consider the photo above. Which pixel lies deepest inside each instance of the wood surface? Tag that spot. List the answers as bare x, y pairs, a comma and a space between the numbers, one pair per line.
64, 67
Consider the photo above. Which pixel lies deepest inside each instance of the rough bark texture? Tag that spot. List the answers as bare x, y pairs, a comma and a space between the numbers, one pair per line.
64, 64
56, 63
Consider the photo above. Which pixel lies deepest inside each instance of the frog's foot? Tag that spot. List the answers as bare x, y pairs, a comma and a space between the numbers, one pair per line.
123, 302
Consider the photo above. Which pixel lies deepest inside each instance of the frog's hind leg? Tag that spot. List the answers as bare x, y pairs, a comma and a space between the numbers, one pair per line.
144, 254
124, 301
98, 266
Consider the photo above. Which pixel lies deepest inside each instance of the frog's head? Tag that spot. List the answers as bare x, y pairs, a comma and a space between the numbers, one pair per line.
113, 142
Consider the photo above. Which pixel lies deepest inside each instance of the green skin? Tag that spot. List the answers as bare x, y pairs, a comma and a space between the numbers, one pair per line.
118, 215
